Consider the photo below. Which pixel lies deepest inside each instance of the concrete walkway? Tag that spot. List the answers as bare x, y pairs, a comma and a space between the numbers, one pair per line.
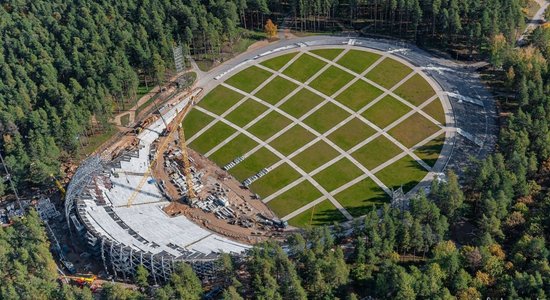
353, 114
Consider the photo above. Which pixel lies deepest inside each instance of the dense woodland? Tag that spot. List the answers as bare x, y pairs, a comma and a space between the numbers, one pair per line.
485, 235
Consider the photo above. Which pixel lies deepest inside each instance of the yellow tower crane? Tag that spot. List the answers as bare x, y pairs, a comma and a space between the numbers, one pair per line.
186, 166
160, 150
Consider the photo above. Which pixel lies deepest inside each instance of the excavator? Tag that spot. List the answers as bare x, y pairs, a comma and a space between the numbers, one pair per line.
175, 125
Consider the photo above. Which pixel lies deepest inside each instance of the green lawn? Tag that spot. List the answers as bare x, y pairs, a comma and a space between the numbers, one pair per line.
326, 117
315, 156
279, 61
294, 198
235, 148
304, 67
435, 110
301, 103
376, 152
125, 119
329, 54
413, 130
97, 139
251, 165
388, 73
416, 90
275, 180
359, 199
246, 112
194, 121
269, 125
292, 140
248, 79
358, 61
331, 80
351, 134
358, 95
338, 174
429, 153
211, 137
321, 214
405, 172
385, 111
276, 90
219, 100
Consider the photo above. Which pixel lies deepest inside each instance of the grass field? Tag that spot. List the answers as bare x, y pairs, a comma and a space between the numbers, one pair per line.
220, 99
294, 198
405, 172
276, 90
304, 67
329, 54
248, 79
385, 111
195, 121
358, 61
314, 119
326, 117
435, 110
235, 148
275, 180
361, 197
351, 134
358, 95
324, 213
301, 103
429, 153
388, 73
246, 112
331, 80
376, 152
338, 174
315, 156
269, 125
279, 61
413, 130
416, 90
251, 165
292, 140
211, 137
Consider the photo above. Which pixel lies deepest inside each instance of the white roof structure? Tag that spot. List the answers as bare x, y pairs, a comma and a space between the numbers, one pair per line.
145, 226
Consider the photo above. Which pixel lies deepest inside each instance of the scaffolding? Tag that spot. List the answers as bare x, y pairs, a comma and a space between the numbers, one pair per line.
119, 260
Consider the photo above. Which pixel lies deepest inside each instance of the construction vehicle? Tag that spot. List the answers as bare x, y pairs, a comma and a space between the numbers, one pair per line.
59, 185
175, 124
80, 279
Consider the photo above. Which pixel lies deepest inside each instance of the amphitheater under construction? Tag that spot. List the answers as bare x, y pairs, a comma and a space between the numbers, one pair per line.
131, 203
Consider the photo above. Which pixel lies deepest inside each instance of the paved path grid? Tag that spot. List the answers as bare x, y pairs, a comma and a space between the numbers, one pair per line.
384, 132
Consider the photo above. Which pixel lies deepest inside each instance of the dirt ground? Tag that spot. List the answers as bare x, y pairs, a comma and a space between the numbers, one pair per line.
241, 201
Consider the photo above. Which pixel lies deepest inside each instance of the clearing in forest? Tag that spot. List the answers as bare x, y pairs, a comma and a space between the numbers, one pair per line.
336, 129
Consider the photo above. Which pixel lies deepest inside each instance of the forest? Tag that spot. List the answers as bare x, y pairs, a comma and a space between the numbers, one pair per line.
66, 65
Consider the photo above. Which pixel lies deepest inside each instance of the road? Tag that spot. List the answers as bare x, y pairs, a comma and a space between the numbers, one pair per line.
537, 20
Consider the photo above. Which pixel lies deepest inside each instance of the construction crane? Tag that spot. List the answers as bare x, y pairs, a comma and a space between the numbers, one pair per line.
169, 131
58, 185
186, 165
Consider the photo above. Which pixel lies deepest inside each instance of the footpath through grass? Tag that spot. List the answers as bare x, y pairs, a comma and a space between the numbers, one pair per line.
294, 198
324, 213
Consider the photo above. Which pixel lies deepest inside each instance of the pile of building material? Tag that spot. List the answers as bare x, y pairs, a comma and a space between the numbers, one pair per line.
247, 182
233, 163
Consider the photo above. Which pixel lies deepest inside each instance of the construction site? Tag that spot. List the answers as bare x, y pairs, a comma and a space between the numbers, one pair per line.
148, 200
